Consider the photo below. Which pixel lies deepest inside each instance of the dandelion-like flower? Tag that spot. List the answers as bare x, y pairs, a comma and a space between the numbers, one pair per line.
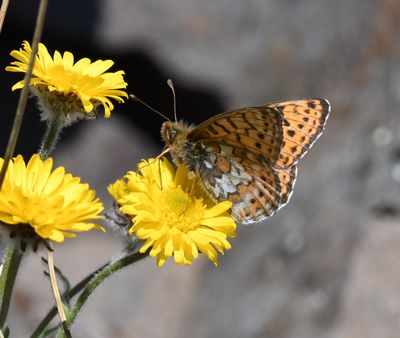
39, 204
172, 213
66, 90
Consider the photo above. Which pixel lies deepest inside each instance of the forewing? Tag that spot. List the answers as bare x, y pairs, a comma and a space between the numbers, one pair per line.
279, 133
302, 123
257, 130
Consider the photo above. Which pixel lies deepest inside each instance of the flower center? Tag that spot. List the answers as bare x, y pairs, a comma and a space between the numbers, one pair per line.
55, 104
180, 211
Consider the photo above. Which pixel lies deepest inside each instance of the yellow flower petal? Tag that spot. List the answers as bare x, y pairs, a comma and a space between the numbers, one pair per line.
218, 209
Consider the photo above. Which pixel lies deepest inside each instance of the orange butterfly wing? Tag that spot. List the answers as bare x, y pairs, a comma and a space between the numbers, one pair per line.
249, 155
257, 129
253, 187
302, 122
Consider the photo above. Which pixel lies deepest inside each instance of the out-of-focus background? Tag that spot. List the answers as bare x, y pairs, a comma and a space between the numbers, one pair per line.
327, 265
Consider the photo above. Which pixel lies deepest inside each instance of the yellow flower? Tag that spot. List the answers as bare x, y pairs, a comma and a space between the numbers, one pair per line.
117, 189
51, 204
66, 89
172, 215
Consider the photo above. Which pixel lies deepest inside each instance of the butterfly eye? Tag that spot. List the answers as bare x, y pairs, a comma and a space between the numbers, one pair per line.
171, 134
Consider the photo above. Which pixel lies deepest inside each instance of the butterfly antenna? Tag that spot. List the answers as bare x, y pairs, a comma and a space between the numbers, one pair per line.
135, 98
171, 85
164, 151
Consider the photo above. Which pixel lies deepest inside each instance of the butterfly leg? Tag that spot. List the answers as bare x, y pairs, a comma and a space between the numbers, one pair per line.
192, 176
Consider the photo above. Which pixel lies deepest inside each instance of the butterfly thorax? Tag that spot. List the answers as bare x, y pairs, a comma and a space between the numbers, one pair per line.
175, 137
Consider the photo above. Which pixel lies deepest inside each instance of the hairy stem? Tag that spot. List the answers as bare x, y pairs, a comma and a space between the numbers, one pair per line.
96, 281
50, 138
7, 280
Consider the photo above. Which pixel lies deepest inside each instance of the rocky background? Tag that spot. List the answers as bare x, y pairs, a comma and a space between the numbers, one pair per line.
324, 266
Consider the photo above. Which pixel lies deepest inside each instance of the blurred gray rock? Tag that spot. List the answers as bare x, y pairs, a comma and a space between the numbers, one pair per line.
370, 306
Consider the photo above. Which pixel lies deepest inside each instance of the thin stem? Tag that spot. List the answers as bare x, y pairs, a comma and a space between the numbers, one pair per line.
56, 293
50, 138
14, 255
97, 279
7, 280
12, 141
3, 11
69, 294
75, 290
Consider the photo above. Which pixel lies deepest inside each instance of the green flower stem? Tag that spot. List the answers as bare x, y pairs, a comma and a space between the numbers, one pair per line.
7, 280
50, 138
97, 279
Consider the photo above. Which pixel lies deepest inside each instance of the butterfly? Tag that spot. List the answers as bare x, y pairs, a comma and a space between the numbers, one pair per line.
249, 156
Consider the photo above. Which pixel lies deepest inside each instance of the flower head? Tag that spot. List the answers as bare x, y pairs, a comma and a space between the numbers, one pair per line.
172, 213
36, 202
66, 89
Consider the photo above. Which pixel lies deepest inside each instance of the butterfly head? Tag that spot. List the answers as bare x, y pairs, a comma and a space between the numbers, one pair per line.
174, 134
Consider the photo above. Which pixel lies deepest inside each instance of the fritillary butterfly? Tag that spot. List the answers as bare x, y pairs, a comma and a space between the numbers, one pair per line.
249, 156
